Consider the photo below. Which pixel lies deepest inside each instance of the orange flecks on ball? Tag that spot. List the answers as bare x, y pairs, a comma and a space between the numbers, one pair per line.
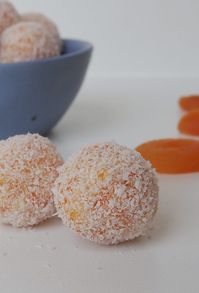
74, 215
28, 170
26, 41
172, 156
189, 103
8, 15
189, 123
102, 174
115, 197
1, 181
49, 25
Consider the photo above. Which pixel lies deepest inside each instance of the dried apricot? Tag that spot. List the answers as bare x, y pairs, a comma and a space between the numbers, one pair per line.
189, 123
172, 156
189, 103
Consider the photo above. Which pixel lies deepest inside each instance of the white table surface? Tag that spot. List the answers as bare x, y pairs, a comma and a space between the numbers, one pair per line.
49, 258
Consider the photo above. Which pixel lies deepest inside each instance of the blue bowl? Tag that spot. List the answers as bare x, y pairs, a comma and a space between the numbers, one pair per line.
34, 95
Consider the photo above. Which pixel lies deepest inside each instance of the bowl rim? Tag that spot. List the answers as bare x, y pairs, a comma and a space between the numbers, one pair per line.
86, 47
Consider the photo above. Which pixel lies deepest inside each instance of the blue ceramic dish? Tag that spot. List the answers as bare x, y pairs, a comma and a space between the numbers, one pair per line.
34, 95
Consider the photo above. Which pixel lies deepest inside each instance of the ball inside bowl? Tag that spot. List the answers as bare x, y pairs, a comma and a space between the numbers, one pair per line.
36, 94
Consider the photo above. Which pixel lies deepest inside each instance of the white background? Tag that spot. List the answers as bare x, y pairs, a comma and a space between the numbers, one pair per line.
50, 259
131, 37
134, 40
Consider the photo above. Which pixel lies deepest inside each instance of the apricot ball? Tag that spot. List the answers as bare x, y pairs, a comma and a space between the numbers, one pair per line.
107, 193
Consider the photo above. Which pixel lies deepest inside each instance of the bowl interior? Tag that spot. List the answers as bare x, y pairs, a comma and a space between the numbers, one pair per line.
75, 47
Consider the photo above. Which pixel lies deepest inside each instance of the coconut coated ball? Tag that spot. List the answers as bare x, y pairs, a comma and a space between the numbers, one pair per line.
8, 15
27, 41
28, 166
49, 25
107, 193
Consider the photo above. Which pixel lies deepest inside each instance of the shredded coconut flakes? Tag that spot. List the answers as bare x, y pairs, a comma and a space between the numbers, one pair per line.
27, 172
107, 193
